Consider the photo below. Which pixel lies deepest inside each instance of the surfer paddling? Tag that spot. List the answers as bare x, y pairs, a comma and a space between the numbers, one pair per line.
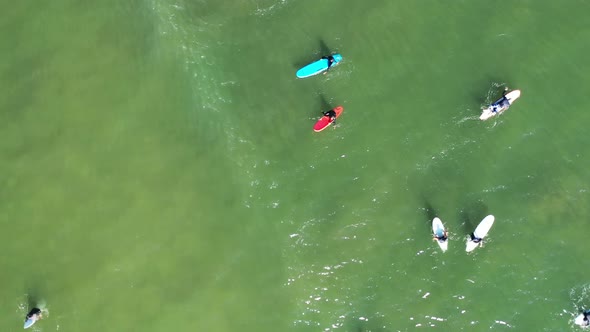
475, 239
33, 316
440, 234
328, 118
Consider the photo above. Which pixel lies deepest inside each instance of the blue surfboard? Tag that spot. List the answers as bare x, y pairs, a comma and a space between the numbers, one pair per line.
317, 67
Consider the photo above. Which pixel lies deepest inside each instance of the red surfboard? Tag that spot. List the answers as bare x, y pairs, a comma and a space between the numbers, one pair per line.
325, 122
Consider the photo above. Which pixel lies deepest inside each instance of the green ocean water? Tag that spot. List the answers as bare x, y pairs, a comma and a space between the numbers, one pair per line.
159, 171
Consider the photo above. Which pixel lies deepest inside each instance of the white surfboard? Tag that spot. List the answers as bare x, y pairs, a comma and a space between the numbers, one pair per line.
480, 232
500, 105
438, 230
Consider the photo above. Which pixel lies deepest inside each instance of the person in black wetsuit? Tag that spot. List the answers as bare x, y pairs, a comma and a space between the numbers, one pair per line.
34, 314
331, 114
476, 239
330, 61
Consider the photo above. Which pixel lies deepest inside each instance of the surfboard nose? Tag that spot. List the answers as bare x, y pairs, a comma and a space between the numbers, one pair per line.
513, 95
516, 93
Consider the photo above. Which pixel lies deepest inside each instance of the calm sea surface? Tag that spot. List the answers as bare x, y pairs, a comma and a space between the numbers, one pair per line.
159, 172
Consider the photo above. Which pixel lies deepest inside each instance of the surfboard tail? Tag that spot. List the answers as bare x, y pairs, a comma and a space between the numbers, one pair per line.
486, 114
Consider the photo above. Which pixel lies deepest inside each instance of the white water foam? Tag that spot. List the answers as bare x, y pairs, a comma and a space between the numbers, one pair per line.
269, 9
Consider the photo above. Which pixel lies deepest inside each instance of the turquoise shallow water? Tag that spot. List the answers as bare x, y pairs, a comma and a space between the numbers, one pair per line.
160, 171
